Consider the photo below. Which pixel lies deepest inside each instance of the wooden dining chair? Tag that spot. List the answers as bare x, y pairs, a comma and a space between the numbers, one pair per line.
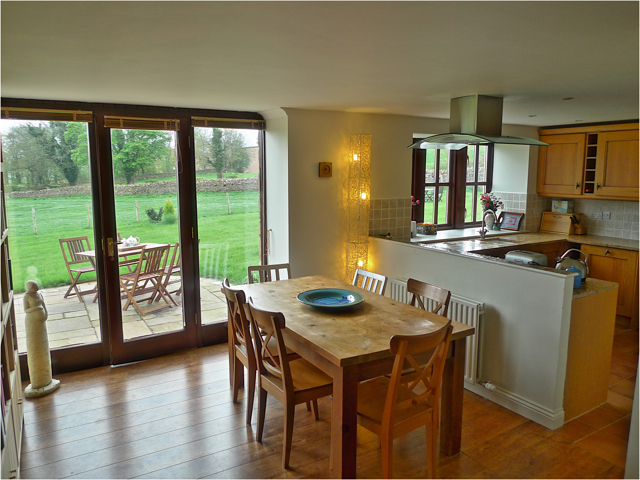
289, 382
77, 264
148, 270
439, 295
243, 353
243, 350
373, 282
393, 407
267, 273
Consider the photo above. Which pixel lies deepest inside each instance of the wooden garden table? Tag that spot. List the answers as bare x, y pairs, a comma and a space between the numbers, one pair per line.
353, 345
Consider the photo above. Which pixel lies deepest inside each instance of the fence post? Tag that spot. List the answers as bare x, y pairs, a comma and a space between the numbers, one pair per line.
88, 215
228, 204
35, 226
137, 211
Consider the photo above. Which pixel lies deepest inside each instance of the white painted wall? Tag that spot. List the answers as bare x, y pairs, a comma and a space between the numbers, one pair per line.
277, 180
317, 206
526, 322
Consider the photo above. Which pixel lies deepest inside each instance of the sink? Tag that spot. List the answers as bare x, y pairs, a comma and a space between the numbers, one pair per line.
498, 241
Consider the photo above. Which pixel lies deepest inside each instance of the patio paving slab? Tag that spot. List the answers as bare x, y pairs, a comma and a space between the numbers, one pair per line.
71, 322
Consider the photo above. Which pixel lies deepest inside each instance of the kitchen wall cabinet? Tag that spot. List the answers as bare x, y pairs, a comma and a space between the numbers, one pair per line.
590, 162
619, 266
560, 165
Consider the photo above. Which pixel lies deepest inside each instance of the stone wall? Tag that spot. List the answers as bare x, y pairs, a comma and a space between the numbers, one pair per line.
154, 188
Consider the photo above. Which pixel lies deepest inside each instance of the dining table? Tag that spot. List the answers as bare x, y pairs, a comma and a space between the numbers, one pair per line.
91, 254
352, 345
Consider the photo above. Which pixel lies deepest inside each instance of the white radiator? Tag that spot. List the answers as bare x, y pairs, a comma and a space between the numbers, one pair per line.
461, 309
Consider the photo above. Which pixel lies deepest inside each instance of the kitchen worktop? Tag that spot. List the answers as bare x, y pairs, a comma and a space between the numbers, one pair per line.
468, 243
593, 286
507, 239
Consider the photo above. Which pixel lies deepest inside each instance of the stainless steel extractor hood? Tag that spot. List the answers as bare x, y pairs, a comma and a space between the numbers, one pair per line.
474, 120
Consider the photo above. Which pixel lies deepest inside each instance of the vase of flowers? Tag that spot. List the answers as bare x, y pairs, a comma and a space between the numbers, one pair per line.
491, 203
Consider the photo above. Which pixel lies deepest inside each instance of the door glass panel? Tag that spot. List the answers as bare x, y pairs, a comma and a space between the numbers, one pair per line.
50, 221
443, 213
430, 167
481, 191
471, 163
444, 166
227, 184
468, 204
144, 164
429, 204
482, 163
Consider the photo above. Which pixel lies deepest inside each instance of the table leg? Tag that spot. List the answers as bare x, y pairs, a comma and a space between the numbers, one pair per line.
344, 423
452, 399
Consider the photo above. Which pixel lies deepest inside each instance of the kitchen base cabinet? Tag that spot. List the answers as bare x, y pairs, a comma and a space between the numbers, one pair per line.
589, 354
619, 266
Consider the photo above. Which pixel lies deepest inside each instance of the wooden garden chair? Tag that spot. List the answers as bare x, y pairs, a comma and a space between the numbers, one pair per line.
439, 295
392, 407
267, 273
289, 382
70, 249
149, 269
373, 282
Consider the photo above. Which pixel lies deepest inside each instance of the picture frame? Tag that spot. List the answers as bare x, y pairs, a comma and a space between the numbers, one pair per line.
510, 220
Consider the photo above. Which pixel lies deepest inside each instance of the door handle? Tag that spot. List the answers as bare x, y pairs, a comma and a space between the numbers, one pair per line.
577, 185
597, 186
111, 248
607, 252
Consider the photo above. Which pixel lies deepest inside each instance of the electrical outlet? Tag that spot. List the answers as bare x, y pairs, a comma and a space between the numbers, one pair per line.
596, 215
606, 215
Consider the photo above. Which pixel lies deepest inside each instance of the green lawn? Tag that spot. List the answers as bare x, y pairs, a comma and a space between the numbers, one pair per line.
228, 243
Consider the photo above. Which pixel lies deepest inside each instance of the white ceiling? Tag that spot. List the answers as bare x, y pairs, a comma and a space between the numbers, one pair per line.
387, 57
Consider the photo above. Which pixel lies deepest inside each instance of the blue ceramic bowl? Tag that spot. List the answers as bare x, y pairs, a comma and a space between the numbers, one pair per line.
330, 298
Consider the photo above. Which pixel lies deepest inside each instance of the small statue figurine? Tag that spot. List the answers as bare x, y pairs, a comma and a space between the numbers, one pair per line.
38, 356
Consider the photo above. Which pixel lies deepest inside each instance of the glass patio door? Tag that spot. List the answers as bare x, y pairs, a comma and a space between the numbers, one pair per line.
143, 269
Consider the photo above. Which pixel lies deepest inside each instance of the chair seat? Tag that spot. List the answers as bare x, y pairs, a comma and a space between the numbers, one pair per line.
305, 377
171, 270
372, 396
145, 276
83, 269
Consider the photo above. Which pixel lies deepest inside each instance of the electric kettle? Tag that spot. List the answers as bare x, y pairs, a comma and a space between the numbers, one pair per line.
564, 262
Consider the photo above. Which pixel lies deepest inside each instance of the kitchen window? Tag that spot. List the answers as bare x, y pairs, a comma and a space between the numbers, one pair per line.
449, 183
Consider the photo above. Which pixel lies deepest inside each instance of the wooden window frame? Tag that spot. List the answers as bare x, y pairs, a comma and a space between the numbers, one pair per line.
456, 197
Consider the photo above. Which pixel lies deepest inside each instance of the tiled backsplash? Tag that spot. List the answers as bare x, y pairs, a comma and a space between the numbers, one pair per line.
528, 203
623, 222
391, 216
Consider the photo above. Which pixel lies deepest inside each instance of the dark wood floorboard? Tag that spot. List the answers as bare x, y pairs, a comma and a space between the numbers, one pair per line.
172, 417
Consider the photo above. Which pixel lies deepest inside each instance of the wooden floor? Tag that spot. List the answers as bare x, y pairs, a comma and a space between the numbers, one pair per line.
172, 417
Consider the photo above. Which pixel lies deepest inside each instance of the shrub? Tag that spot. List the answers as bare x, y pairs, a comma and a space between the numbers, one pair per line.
169, 218
169, 208
154, 217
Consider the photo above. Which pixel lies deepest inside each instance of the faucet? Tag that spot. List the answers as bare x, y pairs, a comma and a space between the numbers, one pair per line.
483, 229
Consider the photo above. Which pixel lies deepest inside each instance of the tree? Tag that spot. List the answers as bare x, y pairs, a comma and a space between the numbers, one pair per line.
26, 158
225, 151
217, 158
133, 150
76, 138
236, 156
